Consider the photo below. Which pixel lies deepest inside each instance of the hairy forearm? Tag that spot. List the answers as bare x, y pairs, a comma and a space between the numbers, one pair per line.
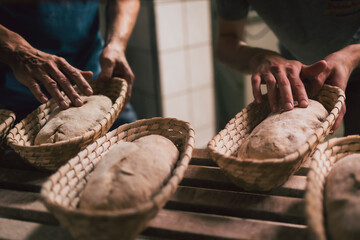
10, 42
238, 55
121, 18
352, 55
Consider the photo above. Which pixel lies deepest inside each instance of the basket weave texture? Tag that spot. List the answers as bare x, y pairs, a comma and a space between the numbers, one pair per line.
323, 159
51, 156
7, 119
266, 174
62, 190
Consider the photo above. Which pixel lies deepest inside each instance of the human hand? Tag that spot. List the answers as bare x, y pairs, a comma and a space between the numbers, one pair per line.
284, 75
114, 64
33, 68
339, 67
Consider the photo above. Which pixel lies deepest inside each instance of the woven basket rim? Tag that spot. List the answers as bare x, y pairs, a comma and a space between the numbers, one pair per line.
292, 156
89, 134
184, 159
313, 176
7, 117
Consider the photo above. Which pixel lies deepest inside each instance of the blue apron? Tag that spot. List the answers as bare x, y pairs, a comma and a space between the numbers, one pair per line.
69, 29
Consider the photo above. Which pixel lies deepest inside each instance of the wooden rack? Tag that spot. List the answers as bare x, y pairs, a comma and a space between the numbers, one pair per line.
205, 206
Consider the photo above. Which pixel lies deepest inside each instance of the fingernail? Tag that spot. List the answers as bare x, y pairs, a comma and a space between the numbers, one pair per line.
275, 108
288, 106
78, 102
64, 104
303, 103
88, 91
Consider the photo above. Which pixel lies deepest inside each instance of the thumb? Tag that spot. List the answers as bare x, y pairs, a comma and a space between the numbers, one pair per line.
313, 70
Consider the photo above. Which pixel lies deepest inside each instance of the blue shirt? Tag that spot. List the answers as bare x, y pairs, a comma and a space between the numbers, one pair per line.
69, 29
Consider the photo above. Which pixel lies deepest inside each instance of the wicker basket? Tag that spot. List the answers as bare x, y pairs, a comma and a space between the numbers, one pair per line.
61, 192
266, 174
323, 159
52, 155
7, 119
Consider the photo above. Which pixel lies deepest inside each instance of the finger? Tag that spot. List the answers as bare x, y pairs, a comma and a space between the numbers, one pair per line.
52, 87
34, 87
74, 75
298, 88
256, 87
339, 119
270, 81
123, 70
107, 69
65, 85
284, 87
87, 74
313, 70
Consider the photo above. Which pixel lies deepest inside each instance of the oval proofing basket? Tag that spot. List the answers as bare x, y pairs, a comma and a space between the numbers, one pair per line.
266, 174
323, 159
7, 119
51, 156
61, 192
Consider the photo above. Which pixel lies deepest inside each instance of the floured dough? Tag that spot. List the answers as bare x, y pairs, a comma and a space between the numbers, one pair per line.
283, 133
74, 121
342, 199
130, 173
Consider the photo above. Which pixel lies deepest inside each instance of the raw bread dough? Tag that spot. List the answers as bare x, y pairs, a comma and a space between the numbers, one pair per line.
130, 173
283, 133
342, 199
74, 121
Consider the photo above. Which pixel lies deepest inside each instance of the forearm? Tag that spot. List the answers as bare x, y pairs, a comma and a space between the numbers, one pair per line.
352, 55
121, 18
238, 55
10, 42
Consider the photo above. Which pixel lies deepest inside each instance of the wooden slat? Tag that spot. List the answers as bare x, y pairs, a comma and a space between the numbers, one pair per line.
189, 225
24, 206
16, 229
23, 180
213, 177
238, 204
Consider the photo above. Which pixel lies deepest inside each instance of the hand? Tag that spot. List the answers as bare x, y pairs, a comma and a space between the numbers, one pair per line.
278, 72
337, 73
114, 64
34, 68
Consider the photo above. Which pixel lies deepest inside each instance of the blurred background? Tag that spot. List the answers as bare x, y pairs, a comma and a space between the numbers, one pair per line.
176, 75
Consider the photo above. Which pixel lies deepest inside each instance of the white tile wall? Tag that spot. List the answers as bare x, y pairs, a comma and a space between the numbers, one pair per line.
198, 21
172, 72
170, 25
200, 65
185, 59
202, 107
203, 136
177, 107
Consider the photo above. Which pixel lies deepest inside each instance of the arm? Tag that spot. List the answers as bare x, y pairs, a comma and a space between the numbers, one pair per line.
266, 67
121, 18
340, 65
33, 68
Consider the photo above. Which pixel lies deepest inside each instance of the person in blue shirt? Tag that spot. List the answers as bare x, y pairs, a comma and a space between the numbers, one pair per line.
47, 46
319, 41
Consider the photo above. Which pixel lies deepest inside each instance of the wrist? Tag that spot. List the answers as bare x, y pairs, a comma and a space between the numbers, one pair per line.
353, 55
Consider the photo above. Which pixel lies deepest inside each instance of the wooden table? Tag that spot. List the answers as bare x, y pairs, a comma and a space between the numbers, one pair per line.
205, 206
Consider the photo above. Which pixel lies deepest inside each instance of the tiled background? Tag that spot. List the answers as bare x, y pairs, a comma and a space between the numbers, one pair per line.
170, 52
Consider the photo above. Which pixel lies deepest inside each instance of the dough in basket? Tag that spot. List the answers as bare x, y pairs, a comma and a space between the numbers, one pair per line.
74, 121
130, 173
283, 133
342, 199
